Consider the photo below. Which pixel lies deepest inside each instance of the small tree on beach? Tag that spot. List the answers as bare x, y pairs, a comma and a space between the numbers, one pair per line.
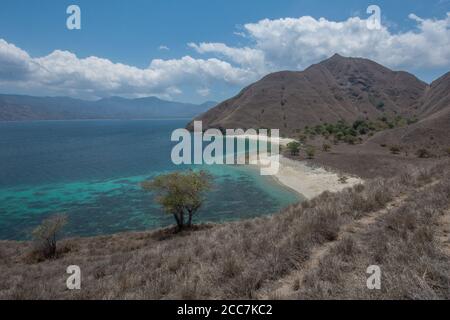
180, 193
293, 147
46, 235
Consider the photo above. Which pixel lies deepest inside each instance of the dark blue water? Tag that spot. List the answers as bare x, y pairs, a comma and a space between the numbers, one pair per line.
92, 170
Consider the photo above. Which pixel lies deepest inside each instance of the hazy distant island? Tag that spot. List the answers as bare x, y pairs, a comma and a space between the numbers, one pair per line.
22, 108
370, 145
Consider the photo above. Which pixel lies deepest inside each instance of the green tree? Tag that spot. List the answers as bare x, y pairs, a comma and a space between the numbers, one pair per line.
294, 147
180, 193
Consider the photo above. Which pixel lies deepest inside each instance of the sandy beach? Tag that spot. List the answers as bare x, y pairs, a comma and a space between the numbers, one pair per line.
304, 179
310, 181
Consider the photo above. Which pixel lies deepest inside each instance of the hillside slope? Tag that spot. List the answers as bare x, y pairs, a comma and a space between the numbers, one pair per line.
432, 131
336, 89
319, 249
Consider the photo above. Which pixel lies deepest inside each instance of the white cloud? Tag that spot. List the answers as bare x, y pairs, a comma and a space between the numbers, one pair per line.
163, 48
204, 92
289, 43
296, 43
252, 59
15, 64
62, 72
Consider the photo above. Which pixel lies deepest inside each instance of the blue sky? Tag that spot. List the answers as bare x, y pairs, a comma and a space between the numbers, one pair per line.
133, 33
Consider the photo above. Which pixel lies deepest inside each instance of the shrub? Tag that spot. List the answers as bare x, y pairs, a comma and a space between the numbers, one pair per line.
448, 151
423, 153
310, 152
302, 138
350, 139
343, 179
326, 147
294, 148
395, 149
339, 135
412, 121
45, 236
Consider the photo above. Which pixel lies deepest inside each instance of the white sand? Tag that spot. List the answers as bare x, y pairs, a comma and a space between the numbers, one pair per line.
282, 141
304, 179
309, 181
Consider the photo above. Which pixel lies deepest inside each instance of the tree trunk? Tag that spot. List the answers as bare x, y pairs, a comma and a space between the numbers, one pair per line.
179, 220
190, 218
182, 219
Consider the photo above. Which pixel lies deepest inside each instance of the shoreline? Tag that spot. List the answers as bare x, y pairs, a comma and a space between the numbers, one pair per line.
310, 181
304, 179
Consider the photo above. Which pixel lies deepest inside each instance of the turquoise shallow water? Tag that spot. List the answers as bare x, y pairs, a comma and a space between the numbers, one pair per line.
91, 170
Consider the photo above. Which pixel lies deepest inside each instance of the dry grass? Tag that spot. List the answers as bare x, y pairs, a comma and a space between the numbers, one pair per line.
235, 260
402, 242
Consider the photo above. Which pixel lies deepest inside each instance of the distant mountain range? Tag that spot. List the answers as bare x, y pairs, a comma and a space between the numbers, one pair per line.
19, 107
339, 88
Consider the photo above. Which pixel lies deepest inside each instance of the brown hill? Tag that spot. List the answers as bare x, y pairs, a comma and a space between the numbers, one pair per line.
437, 96
431, 133
336, 89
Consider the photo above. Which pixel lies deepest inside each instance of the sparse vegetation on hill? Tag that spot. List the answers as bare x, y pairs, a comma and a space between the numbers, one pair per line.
351, 134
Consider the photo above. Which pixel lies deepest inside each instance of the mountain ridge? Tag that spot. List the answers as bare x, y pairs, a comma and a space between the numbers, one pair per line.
338, 88
26, 107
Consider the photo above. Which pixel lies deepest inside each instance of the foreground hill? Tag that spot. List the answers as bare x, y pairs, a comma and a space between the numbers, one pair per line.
336, 89
319, 249
17, 108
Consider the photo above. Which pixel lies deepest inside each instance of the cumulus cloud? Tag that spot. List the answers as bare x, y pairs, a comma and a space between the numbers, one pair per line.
253, 59
64, 72
289, 43
15, 64
296, 43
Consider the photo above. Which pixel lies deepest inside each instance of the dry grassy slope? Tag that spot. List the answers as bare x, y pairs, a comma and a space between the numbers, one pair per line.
335, 89
437, 97
237, 260
432, 131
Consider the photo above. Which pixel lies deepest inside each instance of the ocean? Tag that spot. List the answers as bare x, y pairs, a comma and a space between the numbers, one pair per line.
92, 170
